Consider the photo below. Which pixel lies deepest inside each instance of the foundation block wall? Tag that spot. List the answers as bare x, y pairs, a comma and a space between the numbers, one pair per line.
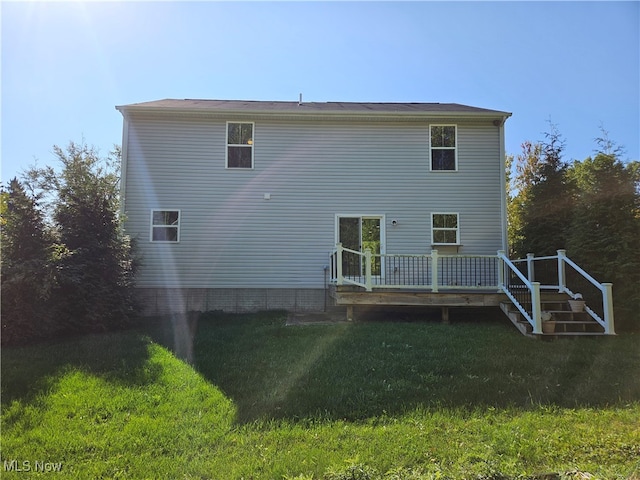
164, 301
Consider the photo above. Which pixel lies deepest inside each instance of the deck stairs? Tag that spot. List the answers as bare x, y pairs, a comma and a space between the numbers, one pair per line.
564, 322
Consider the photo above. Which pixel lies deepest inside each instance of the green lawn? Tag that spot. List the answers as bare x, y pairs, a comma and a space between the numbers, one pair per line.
260, 400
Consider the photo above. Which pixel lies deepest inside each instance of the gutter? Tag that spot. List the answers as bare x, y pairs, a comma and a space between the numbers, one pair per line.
123, 165
503, 186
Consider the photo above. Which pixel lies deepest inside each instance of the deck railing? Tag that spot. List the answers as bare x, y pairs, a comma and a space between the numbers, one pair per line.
432, 272
560, 273
523, 293
521, 280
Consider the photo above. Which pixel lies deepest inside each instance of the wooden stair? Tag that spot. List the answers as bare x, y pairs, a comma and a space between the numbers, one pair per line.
565, 322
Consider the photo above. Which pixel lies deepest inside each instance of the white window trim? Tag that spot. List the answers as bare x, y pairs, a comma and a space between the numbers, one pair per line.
152, 226
455, 148
227, 145
457, 229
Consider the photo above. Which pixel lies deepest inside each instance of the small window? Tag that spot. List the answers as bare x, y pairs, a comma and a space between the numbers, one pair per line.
443, 149
165, 225
239, 145
445, 229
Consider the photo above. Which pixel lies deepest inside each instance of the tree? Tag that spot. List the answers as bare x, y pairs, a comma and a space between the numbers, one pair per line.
96, 267
590, 208
541, 209
605, 226
27, 273
519, 193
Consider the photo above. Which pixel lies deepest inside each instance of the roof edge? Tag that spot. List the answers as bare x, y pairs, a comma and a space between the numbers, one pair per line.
329, 109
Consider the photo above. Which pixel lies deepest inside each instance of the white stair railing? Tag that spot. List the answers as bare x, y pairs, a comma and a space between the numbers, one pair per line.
605, 316
605, 288
520, 293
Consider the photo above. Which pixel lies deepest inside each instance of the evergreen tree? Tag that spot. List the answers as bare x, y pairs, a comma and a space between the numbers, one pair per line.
539, 208
27, 276
549, 207
605, 228
519, 194
96, 266
591, 209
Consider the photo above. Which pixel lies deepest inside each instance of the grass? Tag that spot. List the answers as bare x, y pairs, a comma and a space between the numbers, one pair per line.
393, 400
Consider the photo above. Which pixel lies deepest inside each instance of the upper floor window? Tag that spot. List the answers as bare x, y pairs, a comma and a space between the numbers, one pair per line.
239, 145
165, 225
443, 143
445, 229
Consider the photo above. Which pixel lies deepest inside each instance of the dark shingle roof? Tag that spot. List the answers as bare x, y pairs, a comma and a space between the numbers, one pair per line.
310, 107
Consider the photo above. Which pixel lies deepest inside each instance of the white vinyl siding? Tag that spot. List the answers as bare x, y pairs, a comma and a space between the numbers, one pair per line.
231, 237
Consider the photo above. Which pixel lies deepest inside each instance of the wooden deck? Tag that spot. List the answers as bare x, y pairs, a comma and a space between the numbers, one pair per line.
351, 297
347, 295
445, 281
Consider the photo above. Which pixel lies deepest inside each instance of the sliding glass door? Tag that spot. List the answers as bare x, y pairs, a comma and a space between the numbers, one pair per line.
359, 233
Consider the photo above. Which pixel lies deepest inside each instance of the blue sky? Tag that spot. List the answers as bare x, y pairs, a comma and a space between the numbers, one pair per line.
66, 65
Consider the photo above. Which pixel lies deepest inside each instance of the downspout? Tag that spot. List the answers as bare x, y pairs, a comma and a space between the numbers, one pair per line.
503, 187
326, 287
123, 162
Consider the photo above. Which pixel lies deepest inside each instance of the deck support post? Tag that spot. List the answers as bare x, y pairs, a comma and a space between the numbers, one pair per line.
350, 313
501, 284
607, 304
339, 277
434, 271
535, 308
531, 274
445, 315
367, 270
562, 282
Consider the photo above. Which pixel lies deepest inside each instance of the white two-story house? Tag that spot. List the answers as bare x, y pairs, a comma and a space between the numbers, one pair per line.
253, 205
236, 204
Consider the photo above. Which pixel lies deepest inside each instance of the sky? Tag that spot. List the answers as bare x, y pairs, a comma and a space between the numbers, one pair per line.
66, 65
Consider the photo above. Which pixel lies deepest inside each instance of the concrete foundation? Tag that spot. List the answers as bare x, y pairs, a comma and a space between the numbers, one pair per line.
165, 301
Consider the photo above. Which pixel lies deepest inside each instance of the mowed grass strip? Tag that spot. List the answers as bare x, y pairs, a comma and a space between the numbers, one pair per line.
359, 400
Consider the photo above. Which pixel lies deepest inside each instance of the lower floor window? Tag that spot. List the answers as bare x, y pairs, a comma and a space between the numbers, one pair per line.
165, 225
445, 229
